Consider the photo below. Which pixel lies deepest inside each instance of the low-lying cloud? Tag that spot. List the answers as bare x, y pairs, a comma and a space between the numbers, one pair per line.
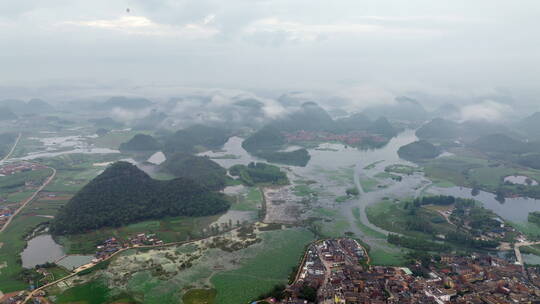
487, 110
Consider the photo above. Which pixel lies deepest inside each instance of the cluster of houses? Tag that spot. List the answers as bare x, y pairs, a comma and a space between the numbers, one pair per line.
13, 168
113, 244
6, 212
339, 273
351, 139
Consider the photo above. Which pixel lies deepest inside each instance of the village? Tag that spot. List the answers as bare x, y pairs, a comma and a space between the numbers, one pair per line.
337, 271
8, 209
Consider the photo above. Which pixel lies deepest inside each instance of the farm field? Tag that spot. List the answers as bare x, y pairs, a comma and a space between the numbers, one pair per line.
271, 265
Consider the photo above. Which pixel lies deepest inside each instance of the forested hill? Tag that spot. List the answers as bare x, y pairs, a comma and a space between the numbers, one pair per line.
201, 169
124, 194
195, 139
419, 150
141, 142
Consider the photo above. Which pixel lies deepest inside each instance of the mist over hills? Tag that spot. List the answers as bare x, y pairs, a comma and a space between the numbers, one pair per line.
20, 107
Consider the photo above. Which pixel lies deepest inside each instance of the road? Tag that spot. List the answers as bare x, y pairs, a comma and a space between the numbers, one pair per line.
31, 294
519, 257
12, 149
28, 200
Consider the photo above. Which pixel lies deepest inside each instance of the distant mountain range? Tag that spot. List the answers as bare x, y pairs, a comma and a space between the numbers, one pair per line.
20, 107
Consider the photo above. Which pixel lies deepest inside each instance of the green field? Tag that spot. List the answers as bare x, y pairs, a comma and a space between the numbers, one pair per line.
12, 240
93, 292
250, 201
474, 172
199, 296
392, 217
366, 229
402, 169
369, 184
385, 258
113, 140
271, 265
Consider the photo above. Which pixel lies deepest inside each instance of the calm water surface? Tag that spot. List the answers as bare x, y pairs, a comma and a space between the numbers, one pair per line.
40, 250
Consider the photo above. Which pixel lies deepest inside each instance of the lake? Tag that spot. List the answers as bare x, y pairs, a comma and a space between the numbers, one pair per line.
513, 209
40, 250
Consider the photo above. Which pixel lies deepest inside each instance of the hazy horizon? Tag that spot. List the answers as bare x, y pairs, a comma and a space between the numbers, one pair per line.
457, 47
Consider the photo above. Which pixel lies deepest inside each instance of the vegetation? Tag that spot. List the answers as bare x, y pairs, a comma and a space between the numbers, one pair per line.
167, 229
419, 150
201, 169
408, 219
94, 292
534, 217
199, 296
259, 173
268, 138
124, 194
298, 157
417, 243
501, 143
6, 142
282, 249
402, 169
141, 142
196, 138
439, 129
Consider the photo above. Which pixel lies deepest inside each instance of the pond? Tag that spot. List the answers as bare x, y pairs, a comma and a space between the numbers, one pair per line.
40, 250
531, 259
514, 209
157, 158
71, 262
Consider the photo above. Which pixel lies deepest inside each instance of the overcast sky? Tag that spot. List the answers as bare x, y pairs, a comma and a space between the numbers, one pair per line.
285, 44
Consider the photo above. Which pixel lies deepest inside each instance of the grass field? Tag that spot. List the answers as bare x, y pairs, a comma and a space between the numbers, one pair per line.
392, 217
273, 262
199, 296
364, 228
113, 140
385, 258
250, 201
12, 243
470, 171
93, 292
402, 169
369, 184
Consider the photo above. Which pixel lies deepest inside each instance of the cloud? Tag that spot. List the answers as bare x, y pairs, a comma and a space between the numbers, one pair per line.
280, 30
364, 96
141, 25
487, 110
129, 115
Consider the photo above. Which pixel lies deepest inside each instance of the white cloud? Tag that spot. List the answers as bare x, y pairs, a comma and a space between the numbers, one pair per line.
143, 26
301, 32
488, 110
364, 96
